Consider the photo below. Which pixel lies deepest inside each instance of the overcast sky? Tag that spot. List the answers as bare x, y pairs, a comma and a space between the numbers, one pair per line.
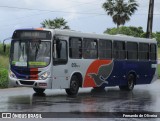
81, 15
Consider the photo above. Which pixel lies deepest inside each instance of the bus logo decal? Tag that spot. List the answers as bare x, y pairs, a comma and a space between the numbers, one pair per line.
98, 73
102, 75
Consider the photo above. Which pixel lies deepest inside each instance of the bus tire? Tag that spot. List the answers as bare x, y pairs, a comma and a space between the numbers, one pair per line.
130, 83
39, 90
74, 86
122, 88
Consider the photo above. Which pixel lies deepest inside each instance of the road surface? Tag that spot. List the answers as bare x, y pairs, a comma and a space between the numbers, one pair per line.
144, 98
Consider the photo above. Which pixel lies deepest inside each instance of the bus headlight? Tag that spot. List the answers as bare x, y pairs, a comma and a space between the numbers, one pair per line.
44, 76
11, 74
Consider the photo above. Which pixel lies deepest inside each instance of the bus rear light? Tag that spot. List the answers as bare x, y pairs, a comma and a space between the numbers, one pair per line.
42, 84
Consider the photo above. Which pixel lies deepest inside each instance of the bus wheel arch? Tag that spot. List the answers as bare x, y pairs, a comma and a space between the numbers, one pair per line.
134, 76
131, 81
79, 76
75, 83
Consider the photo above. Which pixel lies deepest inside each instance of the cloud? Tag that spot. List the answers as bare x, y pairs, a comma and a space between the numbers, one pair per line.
15, 18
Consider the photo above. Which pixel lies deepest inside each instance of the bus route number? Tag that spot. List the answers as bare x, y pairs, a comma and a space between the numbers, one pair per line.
75, 65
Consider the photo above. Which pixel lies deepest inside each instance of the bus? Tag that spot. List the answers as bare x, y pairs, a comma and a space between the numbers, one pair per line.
65, 59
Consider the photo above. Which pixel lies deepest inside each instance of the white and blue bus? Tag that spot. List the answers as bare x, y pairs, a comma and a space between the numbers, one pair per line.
63, 59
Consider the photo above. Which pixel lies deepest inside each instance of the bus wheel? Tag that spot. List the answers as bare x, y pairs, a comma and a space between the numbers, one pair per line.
74, 86
130, 82
122, 87
39, 90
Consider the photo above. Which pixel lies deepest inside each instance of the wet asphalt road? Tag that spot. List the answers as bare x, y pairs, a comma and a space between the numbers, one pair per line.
144, 98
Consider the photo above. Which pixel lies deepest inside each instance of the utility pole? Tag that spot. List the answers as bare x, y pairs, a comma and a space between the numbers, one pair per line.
150, 19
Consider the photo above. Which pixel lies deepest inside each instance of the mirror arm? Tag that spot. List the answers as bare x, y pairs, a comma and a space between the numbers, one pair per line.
5, 40
4, 45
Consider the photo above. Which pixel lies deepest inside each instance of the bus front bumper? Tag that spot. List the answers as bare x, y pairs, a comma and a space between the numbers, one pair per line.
45, 84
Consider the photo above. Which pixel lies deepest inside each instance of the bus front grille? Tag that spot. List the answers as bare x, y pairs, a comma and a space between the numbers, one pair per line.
27, 82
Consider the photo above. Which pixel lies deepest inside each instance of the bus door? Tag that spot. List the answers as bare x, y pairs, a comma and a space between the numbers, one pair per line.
60, 59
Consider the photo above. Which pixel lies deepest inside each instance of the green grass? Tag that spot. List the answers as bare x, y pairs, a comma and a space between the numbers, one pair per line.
4, 62
3, 78
158, 70
158, 52
4, 71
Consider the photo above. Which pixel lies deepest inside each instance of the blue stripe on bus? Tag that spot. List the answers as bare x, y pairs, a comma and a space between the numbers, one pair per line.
21, 72
122, 68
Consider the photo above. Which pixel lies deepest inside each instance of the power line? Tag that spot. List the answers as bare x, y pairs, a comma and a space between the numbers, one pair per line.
45, 10
60, 11
14, 7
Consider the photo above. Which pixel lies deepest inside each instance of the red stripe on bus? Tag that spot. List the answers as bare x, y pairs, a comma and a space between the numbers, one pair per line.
93, 68
33, 73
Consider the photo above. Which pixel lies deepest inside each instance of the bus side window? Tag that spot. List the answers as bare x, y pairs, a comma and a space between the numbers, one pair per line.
75, 48
153, 50
119, 50
61, 48
90, 48
143, 51
132, 51
105, 49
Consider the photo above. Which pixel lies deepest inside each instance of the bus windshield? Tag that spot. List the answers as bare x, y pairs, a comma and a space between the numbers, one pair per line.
30, 53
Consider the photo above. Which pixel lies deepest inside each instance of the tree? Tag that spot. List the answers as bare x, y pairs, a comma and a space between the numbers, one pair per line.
133, 31
157, 36
119, 10
130, 31
59, 23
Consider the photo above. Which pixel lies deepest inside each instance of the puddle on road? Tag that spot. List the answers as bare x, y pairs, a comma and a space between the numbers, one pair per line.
109, 100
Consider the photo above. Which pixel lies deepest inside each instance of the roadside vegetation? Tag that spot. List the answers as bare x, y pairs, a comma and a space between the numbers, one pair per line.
4, 66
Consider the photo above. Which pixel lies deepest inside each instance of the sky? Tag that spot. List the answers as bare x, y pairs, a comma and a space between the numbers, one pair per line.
81, 15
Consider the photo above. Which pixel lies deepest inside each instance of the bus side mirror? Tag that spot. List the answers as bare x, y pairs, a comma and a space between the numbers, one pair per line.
4, 48
4, 45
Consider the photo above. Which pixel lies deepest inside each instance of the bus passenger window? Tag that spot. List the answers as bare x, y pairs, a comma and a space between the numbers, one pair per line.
61, 48
75, 48
132, 51
105, 49
153, 54
119, 50
90, 48
143, 51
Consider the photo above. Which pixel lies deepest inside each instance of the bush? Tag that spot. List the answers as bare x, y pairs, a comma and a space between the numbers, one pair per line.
3, 78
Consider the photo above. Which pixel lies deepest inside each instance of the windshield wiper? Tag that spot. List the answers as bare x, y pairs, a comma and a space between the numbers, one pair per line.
37, 49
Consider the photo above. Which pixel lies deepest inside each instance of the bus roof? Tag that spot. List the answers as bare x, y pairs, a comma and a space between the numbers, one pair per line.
118, 37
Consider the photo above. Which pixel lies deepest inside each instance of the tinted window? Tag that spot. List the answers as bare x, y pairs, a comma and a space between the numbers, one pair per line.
143, 51
119, 50
105, 49
75, 48
89, 48
132, 51
153, 52
61, 55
